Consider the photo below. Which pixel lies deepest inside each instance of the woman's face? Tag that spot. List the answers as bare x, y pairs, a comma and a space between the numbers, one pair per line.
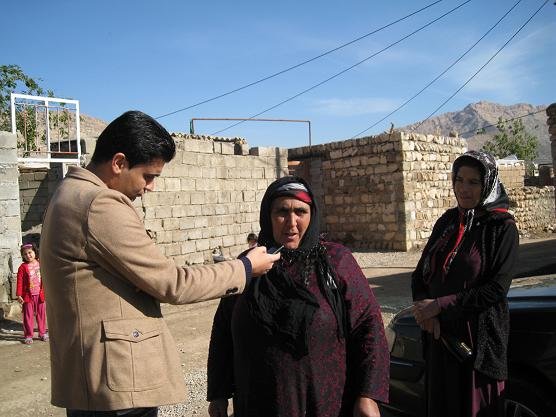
290, 219
468, 187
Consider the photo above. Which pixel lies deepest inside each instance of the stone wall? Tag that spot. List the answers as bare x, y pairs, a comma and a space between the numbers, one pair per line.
551, 122
386, 192
382, 192
10, 220
533, 208
511, 173
427, 174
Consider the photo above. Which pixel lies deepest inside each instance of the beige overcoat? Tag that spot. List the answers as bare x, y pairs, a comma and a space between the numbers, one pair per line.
104, 279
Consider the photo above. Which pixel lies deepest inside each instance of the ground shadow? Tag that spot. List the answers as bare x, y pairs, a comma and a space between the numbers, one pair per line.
11, 330
392, 292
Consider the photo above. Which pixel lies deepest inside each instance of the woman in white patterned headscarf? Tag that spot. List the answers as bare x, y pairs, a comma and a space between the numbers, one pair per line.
459, 290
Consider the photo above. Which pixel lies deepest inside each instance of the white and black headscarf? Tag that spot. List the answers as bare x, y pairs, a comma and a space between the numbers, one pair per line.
493, 199
284, 307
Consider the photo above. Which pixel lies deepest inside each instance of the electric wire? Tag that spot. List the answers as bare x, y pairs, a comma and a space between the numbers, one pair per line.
483, 66
300, 64
477, 131
344, 70
439, 75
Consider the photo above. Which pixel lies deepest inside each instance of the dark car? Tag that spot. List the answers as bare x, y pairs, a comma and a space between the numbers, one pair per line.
531, 385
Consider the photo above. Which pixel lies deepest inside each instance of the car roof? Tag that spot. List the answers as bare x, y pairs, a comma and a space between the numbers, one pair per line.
541, 287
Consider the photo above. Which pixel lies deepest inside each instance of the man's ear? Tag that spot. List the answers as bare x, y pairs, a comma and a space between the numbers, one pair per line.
118, 163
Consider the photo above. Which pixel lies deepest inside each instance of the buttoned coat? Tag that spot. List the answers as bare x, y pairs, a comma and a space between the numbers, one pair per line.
104, 279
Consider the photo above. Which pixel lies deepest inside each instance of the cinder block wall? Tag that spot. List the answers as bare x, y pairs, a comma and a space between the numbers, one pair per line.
33, 196
209, 197
10, 220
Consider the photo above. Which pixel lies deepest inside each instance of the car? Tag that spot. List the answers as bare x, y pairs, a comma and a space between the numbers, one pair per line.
531, 385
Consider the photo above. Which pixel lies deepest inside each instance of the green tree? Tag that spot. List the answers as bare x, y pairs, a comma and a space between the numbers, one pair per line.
12, 80
513, 139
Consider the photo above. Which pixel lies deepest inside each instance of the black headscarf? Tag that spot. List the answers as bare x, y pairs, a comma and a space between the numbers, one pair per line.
283, 306
494, 199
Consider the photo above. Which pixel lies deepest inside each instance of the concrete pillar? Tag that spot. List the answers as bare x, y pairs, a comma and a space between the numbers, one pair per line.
10, 217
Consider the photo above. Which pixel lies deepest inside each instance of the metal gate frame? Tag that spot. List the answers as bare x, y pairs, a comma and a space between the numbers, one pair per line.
47, 105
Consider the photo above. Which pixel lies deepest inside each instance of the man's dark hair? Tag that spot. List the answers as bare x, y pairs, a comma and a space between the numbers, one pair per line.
138, 136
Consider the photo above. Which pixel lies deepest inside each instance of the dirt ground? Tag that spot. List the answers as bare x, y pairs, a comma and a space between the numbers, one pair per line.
25, 375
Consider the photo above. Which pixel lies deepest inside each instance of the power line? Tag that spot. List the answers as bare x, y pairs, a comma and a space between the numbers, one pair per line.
439, 75
346, 69
484, 65
476, 131
298, 65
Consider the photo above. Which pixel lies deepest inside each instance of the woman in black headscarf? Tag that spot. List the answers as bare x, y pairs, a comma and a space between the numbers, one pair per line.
307, 338
459, 292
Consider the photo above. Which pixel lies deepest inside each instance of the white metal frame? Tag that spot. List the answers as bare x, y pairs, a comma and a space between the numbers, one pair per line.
47, 101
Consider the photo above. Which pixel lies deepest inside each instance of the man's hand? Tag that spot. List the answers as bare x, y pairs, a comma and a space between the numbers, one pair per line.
261, 262
20, 299
218, 408
365, 407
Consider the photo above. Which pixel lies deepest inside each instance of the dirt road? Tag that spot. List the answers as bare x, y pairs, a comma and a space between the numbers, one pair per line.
25, 376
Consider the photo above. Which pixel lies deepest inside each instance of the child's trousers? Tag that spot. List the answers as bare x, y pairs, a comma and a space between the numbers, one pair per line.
30, 310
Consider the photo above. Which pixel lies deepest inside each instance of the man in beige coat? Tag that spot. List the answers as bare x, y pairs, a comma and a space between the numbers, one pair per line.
104, 278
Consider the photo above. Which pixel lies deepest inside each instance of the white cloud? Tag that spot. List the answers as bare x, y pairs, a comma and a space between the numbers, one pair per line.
354, 106
511, 73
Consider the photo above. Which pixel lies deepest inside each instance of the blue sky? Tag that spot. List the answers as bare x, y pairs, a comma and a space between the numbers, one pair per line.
159, 57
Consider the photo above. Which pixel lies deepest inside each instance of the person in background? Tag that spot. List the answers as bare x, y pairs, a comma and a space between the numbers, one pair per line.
459, 291
252, 240
307, 339
112, 353
30, 294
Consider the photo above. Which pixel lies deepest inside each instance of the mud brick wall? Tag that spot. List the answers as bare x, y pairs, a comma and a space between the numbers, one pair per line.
209, 196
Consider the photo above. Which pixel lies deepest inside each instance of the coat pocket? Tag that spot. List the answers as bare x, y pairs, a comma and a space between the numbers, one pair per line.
134, 354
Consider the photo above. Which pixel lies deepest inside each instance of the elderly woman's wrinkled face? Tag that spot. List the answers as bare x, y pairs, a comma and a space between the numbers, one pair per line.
468, 187
290, 219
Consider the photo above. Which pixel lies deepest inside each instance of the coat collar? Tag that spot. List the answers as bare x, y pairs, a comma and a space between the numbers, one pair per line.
84, 174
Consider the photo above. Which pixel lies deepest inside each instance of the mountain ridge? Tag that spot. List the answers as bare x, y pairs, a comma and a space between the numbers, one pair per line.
482, 116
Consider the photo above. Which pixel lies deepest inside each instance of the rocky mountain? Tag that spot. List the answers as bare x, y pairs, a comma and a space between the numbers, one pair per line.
474, 117
91, 127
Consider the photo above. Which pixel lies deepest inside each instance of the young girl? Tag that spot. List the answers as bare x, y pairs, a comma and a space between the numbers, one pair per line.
30, 294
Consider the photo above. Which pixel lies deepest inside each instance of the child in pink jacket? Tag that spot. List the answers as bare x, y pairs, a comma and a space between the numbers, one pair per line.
30, 294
